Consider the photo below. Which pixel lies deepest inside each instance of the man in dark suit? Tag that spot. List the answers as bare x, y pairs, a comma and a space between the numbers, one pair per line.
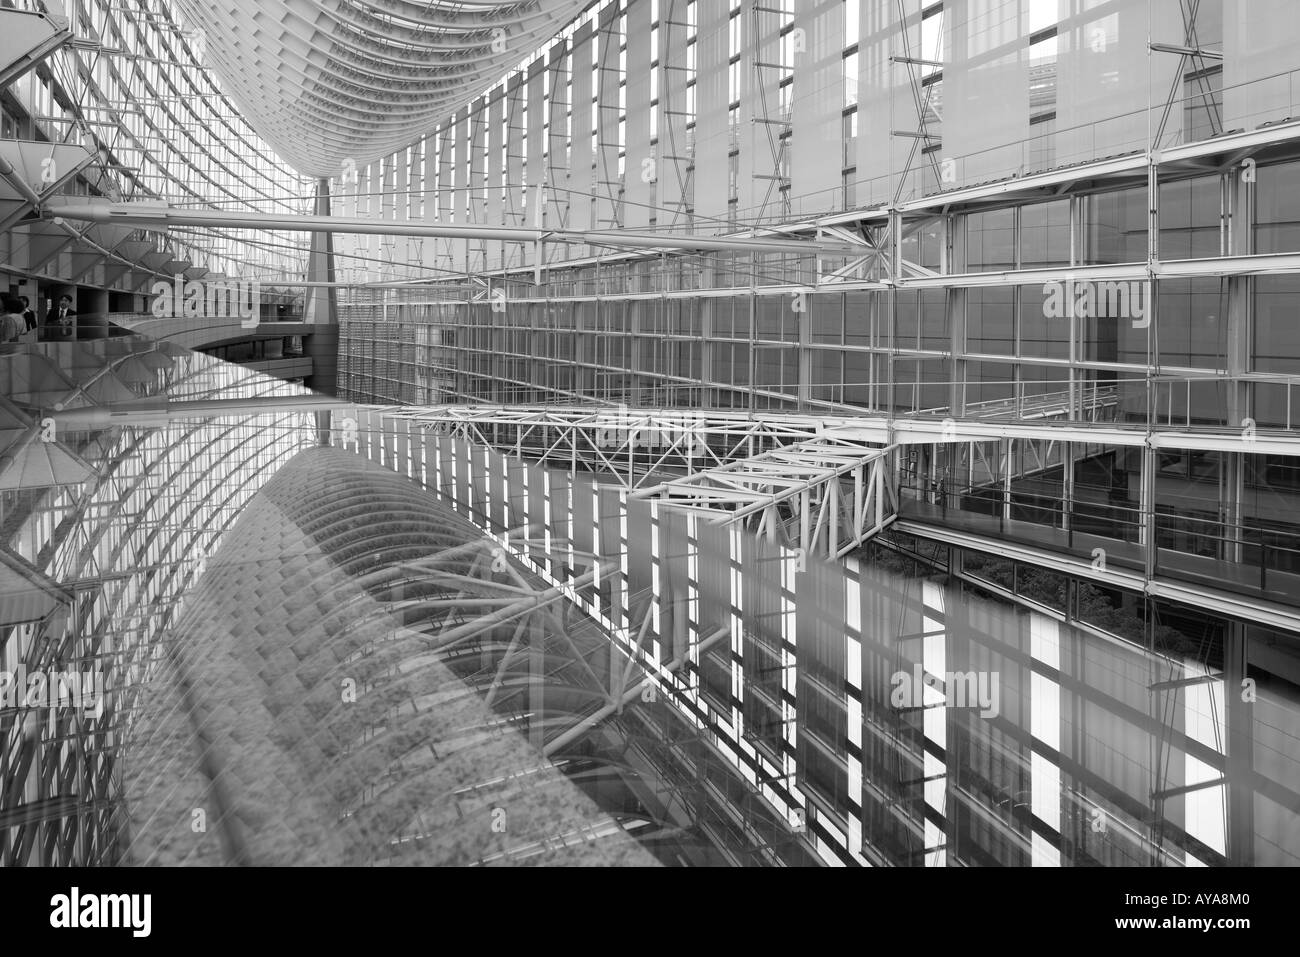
61, 322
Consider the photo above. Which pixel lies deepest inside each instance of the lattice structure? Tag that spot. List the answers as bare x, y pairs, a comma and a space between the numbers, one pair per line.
407, 67
106, 528
825, 496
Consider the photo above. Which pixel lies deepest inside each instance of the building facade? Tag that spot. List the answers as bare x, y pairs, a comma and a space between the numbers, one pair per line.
1063, 311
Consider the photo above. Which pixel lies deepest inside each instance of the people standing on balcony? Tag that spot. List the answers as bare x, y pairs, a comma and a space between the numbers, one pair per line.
11, 320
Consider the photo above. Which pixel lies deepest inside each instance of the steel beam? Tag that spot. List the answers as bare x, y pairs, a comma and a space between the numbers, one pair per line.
164, 218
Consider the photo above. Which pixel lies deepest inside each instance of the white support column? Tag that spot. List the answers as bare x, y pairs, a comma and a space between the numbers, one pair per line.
609, 76
580, 149
641, 163
1045, 726
934, 719
495, 171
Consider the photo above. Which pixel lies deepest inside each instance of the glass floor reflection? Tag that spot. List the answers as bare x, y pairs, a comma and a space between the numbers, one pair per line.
330, 637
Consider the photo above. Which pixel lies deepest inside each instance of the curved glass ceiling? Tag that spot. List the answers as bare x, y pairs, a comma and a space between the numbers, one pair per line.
332, 83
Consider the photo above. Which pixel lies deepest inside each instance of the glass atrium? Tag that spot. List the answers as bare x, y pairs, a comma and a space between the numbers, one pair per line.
650, 432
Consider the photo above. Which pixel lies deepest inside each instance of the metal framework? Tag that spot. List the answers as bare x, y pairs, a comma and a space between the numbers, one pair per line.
470, 673
822, 497
817, 485
812, 483
121, 107
988, 420
773, 701
395, 69
155, 217
898, 344
109, 554
626, 446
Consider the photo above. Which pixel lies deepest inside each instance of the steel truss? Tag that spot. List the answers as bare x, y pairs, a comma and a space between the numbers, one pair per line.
826, 485
824, 496
627, 446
